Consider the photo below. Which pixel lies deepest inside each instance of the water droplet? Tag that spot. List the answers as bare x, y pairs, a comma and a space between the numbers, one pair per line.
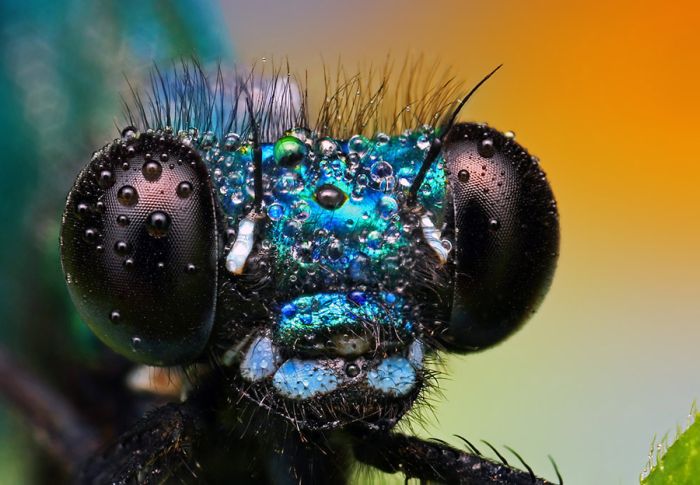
330, 197
106, 179
335, 250
123, 220
382, 139
90, 235
208, 140
82, 209
129, 133
302, 211
358, 144
486, 148
231, 141
122, 248
115, 317
327, 147
135, 343
128, 196
463, 176
292, 229
509, 134
358, 297
374, 239
387, 207
129, 264
190, 268
352, 370
289, 310
275, 212
423, 142
381, 170
184, 189
152, 170
158, 223
289, 151
494, 224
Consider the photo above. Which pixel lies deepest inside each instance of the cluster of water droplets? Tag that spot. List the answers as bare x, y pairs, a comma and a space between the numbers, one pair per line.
331, 207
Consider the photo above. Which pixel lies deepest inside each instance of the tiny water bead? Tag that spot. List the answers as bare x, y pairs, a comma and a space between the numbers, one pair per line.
184, 189
387, 207
358, 144
106, 179
486, 148
115, 316
129, 134
152, 170
289, 151
381, 170
90, 235
128, 196
122, 248
352, 370
82, 209
463, 176
327, 147
123, 220
275, 212
158, 223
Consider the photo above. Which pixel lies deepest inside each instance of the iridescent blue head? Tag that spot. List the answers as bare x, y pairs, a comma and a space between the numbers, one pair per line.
320, 272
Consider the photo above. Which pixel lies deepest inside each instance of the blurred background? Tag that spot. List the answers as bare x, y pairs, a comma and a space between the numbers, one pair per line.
605, 95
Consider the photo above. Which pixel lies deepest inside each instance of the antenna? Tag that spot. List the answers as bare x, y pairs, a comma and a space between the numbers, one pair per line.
436, 145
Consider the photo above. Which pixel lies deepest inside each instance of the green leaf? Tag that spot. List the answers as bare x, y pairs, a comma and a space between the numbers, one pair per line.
680, 464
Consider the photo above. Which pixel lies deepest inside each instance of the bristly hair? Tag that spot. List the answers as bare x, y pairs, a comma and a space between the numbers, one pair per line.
189, 96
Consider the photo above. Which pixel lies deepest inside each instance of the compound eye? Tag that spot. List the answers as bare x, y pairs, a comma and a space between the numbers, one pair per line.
139, 249
330, 197
506, 230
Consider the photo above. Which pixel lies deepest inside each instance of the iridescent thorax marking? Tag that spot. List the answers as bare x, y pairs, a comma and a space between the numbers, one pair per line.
360, 232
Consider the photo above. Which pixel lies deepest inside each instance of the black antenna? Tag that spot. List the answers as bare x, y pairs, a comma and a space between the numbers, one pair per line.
257, 158
436, 145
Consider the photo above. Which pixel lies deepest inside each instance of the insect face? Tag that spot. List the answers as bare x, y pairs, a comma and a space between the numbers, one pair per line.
348, 264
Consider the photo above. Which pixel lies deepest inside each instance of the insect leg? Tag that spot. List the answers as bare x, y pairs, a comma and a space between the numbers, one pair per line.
434, 461
158, 448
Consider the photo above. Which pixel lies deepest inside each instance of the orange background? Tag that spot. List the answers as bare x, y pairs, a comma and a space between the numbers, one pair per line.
607, 97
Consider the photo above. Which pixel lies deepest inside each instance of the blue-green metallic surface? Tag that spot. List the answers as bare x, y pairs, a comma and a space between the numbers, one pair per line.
306, 315
362, 235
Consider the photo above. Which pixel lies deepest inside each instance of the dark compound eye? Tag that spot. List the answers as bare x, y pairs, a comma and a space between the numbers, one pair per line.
141, 268
289, 151
330, 197
505, 225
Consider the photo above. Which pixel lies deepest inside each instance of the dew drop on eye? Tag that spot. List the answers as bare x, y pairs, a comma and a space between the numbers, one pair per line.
128, 196
486, 148
152, 171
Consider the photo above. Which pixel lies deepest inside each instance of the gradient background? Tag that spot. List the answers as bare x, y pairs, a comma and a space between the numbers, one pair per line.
607, 96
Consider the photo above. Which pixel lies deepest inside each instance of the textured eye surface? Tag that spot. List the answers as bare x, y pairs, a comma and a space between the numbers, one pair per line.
506, 227
139, 249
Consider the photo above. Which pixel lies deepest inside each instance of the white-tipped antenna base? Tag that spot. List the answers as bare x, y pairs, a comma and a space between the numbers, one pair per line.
242, 247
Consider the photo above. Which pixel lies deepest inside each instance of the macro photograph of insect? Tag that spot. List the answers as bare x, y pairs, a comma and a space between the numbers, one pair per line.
349, 242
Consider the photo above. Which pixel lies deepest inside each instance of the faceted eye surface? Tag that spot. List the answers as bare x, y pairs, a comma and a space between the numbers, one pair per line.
506, 229
139, 249
330, 197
